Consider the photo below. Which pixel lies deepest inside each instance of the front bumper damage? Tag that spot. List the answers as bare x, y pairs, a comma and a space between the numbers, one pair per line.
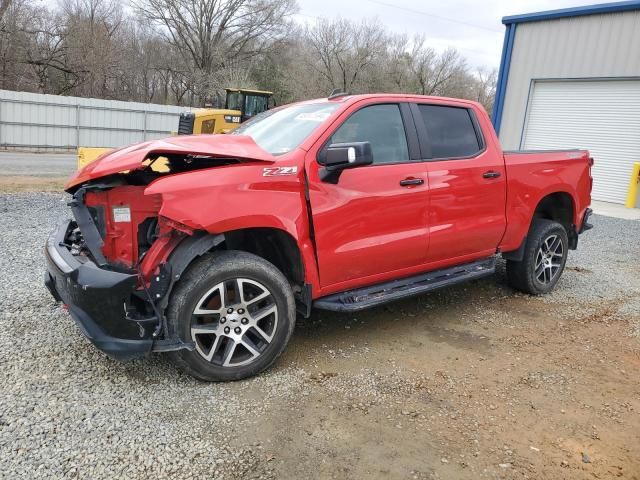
113, 307
99, 300
96, 299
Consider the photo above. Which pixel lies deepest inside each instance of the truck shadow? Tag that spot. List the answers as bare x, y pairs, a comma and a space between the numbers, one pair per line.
440, 320
444, 316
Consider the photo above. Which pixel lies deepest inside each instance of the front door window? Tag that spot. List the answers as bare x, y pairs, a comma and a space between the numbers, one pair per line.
382, 127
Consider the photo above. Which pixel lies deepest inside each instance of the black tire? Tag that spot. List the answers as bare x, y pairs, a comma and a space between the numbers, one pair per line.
522, 275
205, 274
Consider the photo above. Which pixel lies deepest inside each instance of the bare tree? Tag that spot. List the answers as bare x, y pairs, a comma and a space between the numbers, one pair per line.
432, 71
213, 33
29, 47
396, 66
46, 55
93, 43
344, 50
185, 51
17, 18
484, 88
421, 61
4, 5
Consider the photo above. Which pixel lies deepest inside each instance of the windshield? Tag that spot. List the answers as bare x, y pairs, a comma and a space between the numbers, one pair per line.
280, 131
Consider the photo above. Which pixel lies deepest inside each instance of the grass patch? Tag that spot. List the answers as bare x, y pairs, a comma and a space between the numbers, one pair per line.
25, 183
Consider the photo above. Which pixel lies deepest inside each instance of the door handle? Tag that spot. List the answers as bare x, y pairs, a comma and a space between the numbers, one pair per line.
408, 182
491, 174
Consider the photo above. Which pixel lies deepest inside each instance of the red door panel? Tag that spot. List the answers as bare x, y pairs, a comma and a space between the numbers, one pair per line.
368, 224
466, 210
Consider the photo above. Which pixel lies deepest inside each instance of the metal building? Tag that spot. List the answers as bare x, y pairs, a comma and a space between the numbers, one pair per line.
33, 121
571, 78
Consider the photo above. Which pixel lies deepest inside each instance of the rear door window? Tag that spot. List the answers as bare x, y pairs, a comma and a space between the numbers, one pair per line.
451, 131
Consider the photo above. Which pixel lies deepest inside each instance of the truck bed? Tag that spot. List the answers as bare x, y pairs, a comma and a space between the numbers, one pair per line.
532, 175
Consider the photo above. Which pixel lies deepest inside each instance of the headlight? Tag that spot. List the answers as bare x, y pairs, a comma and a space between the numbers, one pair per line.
231, 119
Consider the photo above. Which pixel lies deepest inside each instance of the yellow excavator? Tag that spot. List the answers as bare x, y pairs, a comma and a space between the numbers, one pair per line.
241, 104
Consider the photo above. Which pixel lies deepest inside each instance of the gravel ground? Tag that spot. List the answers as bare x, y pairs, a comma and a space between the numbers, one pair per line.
427, 388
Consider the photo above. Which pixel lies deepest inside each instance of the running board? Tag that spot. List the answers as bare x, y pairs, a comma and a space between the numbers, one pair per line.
367, 297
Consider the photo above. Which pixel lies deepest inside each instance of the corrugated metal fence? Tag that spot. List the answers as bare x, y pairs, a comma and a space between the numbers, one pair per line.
34, 121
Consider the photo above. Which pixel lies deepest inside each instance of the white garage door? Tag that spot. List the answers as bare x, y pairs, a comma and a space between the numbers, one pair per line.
601, 116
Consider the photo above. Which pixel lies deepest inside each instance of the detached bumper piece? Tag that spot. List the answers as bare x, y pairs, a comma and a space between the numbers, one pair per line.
95, 297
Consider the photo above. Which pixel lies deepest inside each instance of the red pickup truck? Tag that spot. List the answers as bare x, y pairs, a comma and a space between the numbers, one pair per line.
209, 246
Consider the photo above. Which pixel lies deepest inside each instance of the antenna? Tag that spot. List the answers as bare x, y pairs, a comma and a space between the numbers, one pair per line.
337, 93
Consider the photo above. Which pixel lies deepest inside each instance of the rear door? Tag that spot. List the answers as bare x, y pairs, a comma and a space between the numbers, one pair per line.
467, 184
374, 220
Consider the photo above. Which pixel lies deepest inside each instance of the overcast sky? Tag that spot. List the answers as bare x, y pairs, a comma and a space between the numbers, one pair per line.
473, 27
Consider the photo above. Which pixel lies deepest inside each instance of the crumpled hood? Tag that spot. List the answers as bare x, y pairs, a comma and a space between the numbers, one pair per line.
131, 157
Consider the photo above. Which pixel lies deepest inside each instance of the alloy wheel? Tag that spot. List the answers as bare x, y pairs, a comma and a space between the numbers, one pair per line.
234, 322
549, 259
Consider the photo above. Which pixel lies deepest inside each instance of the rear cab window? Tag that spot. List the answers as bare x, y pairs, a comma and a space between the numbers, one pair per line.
452, 131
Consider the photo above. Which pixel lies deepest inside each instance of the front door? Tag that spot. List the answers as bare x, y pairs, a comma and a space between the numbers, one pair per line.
374, 220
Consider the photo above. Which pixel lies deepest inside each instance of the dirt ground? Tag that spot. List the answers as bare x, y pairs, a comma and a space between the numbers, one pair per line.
471, 382
474, 381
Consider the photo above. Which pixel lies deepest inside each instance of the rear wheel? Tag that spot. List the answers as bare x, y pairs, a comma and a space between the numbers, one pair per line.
239, 311
544, 259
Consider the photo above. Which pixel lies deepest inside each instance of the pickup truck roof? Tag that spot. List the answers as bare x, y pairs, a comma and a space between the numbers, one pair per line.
351, 99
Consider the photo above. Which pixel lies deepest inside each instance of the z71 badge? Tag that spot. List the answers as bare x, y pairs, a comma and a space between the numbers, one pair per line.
279, 171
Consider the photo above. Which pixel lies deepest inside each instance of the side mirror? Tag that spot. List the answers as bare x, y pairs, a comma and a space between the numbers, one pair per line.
341, 156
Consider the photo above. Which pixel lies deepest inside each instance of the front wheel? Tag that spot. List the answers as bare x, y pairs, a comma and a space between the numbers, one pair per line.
544, 258
238, 310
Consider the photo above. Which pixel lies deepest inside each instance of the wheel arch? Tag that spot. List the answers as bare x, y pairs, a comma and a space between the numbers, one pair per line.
275, 245
559, 206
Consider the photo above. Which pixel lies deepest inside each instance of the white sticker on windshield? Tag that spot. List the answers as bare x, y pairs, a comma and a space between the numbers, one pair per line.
312, 116
121, 214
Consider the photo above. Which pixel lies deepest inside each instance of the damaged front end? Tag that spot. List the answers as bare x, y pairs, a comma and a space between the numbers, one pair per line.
109, 267
114, 264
